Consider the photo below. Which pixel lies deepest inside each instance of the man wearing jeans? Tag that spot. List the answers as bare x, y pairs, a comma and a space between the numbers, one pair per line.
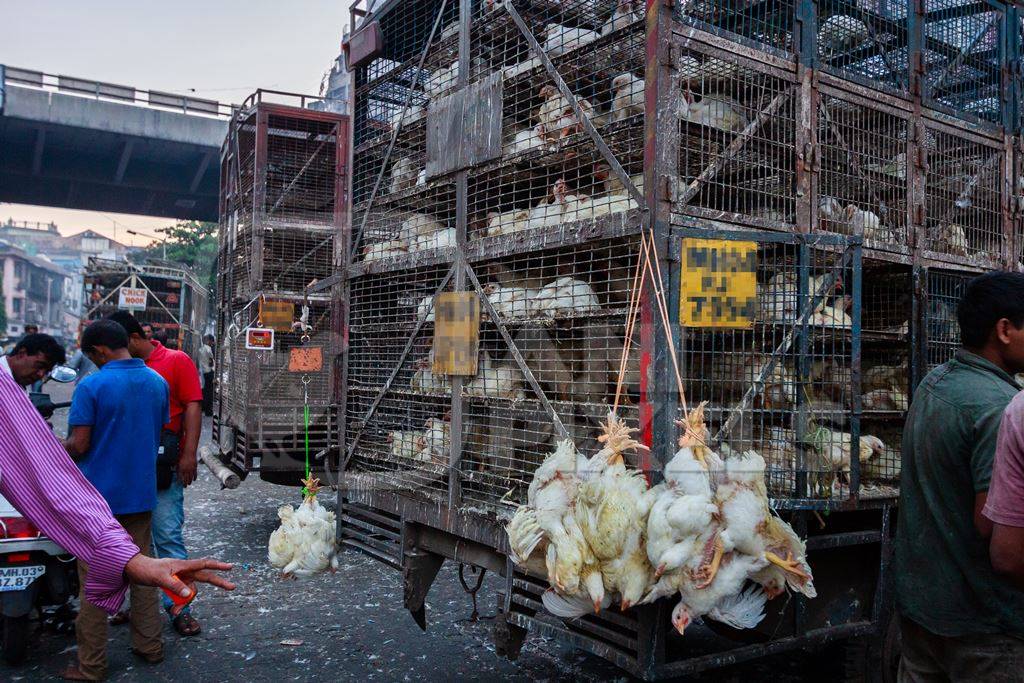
181, 435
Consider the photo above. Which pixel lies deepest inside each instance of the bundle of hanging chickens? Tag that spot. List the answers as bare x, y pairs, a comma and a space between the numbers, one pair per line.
706, 534
303, 544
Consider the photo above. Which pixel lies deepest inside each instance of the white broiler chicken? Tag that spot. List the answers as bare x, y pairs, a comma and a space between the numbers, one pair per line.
715, 111
750, 528
403, 174
526, 140
885, 399
683, 506
442, 239
548, 212
836, 448
495, 380
830, 212
779, 300
413, 113
304, 542
626, 12
556, 118
425, 309
509, 301
419, 225
385, 250
608, 515
840, 33
558, 39
424, 379
565, 296
405, 445
442, 80
435, 440
951, 239
547, 519
628, 99
833, 316
507, 223
866, 223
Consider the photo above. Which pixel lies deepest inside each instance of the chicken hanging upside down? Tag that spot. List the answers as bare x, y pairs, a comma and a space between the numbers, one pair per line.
706, 534
304, 543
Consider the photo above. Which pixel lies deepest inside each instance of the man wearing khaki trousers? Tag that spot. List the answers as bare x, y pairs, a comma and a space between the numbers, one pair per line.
115, 422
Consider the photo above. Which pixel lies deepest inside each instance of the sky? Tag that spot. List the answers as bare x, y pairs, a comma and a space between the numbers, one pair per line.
219, 49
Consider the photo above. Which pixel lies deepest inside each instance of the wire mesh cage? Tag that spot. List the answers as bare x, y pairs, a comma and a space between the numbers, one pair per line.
863, 176
737, 126
941, 329
964, 49
964, 198
767, 25
867, 42
520, 157
283, 193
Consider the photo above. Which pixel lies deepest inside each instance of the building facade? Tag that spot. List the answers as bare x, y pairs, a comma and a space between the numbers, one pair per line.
33, 291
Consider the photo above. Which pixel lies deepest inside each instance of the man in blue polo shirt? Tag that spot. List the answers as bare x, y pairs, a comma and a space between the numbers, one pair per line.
115, 422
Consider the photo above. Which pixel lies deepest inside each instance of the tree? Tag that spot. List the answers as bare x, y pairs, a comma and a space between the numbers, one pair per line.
193, 243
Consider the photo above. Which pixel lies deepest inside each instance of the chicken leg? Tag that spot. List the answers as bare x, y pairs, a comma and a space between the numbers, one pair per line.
705, 574
788, 565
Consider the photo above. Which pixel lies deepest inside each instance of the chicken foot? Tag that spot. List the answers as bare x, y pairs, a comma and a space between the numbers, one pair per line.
788, 565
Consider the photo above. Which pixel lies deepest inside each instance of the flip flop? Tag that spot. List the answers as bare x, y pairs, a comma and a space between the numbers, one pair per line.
186, 625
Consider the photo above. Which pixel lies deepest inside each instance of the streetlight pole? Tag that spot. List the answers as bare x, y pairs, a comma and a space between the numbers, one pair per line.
163, 240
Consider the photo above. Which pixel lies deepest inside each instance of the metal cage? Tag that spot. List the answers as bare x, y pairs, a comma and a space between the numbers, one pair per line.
503, 146
283, 206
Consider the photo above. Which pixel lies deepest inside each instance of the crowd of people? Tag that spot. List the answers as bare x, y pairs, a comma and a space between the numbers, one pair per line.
117, 503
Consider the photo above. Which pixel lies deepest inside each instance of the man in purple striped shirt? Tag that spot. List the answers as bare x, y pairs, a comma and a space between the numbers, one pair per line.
43, 483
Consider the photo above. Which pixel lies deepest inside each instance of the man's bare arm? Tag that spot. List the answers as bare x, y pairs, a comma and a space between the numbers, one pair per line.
78, 442
192, 422
1006, 550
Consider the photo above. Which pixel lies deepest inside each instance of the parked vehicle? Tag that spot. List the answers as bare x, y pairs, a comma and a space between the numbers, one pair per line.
35, 572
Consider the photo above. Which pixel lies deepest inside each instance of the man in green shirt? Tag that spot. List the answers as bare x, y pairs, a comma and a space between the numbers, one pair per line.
959, 620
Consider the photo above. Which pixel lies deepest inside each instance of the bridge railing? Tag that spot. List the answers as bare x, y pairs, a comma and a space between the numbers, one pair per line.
119, 93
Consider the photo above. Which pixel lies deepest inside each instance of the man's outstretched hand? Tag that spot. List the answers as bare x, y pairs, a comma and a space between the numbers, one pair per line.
176, 575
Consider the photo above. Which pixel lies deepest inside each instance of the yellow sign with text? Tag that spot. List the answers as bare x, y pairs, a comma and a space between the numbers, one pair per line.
719, 283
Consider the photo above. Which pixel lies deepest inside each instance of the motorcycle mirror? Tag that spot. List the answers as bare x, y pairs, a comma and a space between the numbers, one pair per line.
62, 374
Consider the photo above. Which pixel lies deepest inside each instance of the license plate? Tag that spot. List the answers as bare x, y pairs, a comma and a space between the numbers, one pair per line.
19, 578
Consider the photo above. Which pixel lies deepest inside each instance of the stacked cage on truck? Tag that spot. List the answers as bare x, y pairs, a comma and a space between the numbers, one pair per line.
283, 193
175, 302
814, 200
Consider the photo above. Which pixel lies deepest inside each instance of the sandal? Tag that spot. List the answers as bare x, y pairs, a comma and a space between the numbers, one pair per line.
186, 625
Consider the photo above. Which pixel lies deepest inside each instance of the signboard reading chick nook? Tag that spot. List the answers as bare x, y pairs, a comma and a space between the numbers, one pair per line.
719, 283
456, 333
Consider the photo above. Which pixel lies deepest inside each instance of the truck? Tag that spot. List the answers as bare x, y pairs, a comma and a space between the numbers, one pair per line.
809, 186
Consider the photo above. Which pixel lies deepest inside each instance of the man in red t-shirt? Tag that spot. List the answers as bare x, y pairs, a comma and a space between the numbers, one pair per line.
176, 464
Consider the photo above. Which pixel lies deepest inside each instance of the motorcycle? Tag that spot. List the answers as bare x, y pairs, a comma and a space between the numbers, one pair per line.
35, 572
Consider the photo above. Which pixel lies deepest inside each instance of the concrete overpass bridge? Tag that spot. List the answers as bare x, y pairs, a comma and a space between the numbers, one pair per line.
79, 144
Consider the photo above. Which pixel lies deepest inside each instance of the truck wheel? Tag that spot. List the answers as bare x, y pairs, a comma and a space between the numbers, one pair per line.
15, 643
